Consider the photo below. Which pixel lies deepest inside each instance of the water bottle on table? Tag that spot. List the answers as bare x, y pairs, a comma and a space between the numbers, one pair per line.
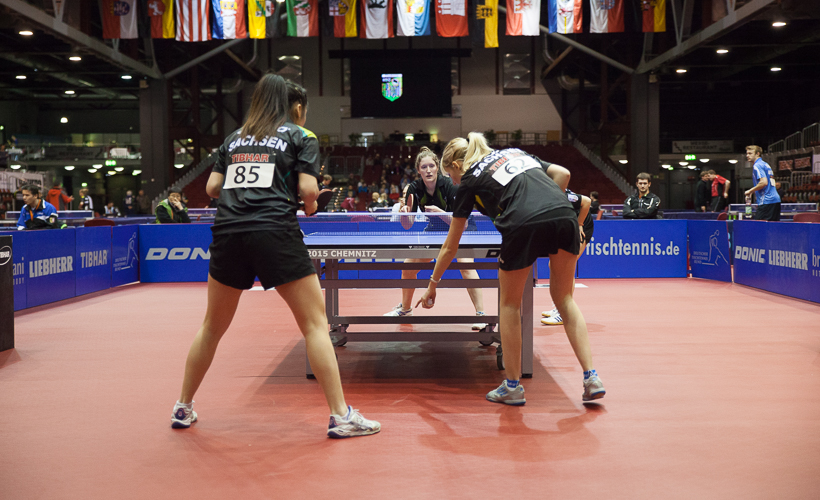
749, 207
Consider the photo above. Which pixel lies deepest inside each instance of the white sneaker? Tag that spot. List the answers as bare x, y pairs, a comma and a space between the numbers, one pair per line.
593, 389
555, 319
547, 314
479, 326
183, 416
351, 425
399, 311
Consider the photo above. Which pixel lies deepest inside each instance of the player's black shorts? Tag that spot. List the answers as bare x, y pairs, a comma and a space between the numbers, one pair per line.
769, 211
588, 230
540, 237
276, 257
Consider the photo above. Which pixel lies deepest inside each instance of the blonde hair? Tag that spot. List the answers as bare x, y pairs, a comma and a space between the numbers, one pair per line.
426, 152
755, 149
470, 150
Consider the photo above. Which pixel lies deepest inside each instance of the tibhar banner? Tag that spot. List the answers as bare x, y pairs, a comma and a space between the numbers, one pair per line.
93, 259
781, 257
709, 250
635, 249
172, 253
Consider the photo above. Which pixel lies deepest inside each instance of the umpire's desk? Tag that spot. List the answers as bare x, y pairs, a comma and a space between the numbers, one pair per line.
348, 242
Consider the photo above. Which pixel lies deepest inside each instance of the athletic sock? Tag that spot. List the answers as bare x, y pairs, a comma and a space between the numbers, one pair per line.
185, 405
590, 374
512, 384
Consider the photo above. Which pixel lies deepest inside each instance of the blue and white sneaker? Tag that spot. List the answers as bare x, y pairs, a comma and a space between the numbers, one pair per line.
183, 416
593, 389
399, 311
508, 395
351, 425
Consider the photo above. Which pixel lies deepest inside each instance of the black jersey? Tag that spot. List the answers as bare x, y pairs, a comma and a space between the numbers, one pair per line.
262, 179
575, 199
443, 196
509, 186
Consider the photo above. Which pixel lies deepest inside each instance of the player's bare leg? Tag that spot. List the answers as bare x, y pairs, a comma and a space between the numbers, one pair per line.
304, 297
222, 302
511, 289
476, 294
407, 293
562, 283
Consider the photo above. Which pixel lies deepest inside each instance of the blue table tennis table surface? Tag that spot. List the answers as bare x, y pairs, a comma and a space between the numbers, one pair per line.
398, 240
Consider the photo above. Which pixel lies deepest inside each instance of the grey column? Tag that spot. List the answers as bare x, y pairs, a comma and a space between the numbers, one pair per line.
645, 133
155, 137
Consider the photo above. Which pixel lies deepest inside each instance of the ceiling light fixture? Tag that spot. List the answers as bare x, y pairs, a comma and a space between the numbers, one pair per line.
25, 32
179, 165
16, 167
666, 166
92, 170
691, 167
75, 58
136, 172
722, 51
126, 77
64, 120
732, 161
683, 163
69, 92
680, 70
21, 77
776, 24
704, 160
623, 162
69, 167
776, 69
97, 166
111, 172
119, 169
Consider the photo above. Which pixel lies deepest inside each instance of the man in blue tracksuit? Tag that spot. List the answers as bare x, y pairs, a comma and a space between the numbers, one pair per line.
35, 208
768, 201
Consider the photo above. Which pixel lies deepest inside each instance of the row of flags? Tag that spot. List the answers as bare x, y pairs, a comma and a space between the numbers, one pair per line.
200, 20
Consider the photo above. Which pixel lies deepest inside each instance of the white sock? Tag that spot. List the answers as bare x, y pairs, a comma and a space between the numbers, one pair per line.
189, 406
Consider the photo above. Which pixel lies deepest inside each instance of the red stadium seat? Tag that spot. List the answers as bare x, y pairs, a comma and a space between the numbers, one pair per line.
98, 222
723, 216
807, 217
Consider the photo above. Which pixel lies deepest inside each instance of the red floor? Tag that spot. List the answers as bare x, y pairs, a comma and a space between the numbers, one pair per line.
712, 393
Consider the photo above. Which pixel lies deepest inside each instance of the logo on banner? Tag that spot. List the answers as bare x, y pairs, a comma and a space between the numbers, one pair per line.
714, 256
120, 8
156, 8
5, 255
131, 258
392, 86
179, 253
621, 248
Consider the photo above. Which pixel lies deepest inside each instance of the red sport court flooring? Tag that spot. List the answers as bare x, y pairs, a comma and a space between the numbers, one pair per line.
712, 392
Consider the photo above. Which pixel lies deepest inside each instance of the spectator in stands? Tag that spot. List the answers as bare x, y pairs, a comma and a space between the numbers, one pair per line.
703, 193
171, 210
644, 205
768, 201
780, 191
129, 204
349, 204
58, 198
394, 189
36, 213
183, 198
594, 203
326, 180
376, 203
86, 203
143, 202
719, 200
405, 181
111, 210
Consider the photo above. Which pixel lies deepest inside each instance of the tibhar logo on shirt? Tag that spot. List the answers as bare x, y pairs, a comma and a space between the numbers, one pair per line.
46, 267
249, 158
93, 259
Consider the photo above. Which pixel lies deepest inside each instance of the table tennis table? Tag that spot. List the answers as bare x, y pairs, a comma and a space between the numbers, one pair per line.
380, 242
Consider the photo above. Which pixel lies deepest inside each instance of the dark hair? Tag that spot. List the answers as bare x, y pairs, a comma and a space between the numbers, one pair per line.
296, 95
593, 194
175, 190
643, 176
31, 188
268, 107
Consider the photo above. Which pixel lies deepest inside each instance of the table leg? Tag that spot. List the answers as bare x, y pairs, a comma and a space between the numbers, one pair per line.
526, 329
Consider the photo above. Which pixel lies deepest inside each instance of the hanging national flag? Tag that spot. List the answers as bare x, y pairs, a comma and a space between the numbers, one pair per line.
485, 24
258, 15
192, 20
654, 15
303, 18
161, 13
413, 17
606, 16
343, 13
229, 20
564, 16
451, 18
273, 12
523, 17
119, 18
377, 19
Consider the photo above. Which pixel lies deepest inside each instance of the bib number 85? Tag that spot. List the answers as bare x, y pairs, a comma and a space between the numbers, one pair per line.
248, 175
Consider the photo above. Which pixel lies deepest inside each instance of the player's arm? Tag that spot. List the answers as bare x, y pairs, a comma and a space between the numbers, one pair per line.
560, 175
445, 256
761, 184
628, 212
582, 215
308, 191
214, 185
726, 188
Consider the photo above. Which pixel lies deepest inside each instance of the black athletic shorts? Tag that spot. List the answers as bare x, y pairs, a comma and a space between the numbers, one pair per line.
769, 211
540, 237
276, 257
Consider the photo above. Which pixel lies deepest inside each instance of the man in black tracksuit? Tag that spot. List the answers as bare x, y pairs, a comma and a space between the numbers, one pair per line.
643, 205
703, 193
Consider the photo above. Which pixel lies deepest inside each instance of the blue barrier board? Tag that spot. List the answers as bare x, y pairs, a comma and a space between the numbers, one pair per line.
709, 250
92, 259
172, 253
125, 258
50, 266
19, 240
635, 249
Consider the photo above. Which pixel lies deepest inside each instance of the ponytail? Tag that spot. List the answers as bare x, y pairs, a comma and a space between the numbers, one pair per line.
269, 109
477, 149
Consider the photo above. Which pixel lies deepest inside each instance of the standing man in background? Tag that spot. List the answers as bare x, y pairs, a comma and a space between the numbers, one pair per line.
719, 200
768, 201
86, 203
703, 193
56, 195
143, 202
129, 204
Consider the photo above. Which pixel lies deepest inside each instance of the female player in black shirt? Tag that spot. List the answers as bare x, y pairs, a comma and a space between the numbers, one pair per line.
522, 196
261, 169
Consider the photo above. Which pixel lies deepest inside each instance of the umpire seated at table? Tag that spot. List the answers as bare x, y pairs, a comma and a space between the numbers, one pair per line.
643, 205
36, 213
171, 210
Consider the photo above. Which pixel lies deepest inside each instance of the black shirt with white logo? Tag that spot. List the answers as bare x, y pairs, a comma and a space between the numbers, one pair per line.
509, 186
443, 196
261, 183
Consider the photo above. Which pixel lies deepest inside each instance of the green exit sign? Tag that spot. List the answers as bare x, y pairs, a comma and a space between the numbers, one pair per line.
690, 157
110, 163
